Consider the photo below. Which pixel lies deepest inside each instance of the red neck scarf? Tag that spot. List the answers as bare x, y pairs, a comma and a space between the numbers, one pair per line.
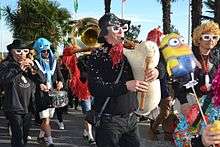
205, 67
205, 63
116, 54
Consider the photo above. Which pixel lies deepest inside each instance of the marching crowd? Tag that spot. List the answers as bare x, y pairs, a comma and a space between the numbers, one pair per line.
103, 81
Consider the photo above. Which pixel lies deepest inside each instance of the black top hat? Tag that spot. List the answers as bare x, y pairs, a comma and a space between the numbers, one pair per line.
18, 44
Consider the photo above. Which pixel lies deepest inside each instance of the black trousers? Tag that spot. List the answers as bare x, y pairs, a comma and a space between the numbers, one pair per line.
117, 131
60, 112
20, 125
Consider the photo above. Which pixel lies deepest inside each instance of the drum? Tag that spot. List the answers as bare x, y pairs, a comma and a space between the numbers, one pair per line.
58, 98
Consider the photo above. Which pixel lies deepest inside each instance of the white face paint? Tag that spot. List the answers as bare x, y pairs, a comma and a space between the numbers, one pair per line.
116, 34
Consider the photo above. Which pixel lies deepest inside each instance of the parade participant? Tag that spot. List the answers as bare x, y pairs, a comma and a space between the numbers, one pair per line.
60, 111
205, 38
47, 63
118, 124
86, 104
79, 87
18, 76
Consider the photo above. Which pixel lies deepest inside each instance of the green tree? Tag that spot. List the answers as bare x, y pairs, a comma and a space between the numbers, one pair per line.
38, 18
166, 9
214, 8
217, 11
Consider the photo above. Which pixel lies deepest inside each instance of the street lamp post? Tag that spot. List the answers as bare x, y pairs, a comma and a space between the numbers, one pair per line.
189, 22
122, 9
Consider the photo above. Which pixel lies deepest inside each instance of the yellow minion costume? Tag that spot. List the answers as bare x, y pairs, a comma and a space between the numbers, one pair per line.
178, 55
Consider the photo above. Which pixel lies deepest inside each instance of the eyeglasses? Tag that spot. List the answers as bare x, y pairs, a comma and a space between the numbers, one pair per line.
116, 29
208, 37
44, 51
20, 51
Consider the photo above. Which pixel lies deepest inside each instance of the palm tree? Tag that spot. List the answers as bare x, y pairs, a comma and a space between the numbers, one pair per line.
217, 11
38, 18
166, 8
196, 13
214, 8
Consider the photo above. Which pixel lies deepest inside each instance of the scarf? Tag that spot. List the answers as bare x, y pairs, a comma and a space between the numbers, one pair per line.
116, 54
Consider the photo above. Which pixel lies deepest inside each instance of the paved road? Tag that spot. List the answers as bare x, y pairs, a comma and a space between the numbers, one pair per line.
72, 135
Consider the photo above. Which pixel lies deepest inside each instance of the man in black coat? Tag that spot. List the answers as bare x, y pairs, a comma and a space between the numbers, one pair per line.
118, 124
17, 77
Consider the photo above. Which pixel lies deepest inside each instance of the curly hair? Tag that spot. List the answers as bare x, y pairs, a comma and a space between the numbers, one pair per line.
206, 27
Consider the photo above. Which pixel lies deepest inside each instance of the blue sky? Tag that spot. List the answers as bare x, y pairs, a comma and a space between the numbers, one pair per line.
148, 13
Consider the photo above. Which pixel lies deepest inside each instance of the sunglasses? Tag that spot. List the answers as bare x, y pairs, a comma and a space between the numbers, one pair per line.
20, 51
208, 37
44, 51
116, 29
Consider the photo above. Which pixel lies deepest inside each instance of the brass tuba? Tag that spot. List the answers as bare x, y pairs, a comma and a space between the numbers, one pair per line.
85, 33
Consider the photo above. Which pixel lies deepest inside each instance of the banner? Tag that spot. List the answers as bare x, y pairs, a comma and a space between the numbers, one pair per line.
75, 5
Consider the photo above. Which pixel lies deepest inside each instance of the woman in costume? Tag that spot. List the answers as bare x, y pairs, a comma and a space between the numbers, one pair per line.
191, 123
47, 63
79, 87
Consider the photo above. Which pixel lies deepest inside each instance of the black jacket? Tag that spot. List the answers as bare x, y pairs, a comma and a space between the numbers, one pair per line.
19, 86
101, 79
42, 99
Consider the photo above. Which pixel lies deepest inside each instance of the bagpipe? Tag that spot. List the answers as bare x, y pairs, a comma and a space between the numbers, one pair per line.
144, 56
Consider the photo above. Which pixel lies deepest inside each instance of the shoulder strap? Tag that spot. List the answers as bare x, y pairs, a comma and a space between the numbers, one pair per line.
120, 73
108, 98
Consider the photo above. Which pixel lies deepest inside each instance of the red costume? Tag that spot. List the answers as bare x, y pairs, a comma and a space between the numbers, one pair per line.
78, 88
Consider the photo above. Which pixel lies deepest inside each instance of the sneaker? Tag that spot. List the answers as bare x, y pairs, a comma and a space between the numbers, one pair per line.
9, 130
92, 141
29, 138
61, 125
85, 135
